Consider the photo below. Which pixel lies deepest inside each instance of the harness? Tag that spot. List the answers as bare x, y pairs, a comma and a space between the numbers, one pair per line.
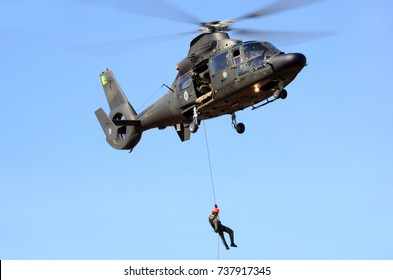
212, 219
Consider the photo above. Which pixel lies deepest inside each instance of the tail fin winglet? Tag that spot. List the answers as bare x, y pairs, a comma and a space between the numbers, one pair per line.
109, 128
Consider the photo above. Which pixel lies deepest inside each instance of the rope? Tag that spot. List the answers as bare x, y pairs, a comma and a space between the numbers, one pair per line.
212, 182
210, 164
150, 98
218, 247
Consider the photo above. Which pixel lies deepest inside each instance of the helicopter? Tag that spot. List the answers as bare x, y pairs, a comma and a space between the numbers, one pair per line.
219, 76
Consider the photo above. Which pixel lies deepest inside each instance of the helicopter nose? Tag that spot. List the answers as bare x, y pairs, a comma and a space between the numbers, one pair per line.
286, 61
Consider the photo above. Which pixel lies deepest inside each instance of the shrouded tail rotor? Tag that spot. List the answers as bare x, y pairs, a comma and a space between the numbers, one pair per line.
121, 127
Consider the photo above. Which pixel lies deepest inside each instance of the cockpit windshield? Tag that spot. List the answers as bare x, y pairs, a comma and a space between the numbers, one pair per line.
257, 53
272, 47
252, 50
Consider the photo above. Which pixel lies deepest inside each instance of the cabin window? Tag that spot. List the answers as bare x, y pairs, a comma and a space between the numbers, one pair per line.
185, 81
219, 62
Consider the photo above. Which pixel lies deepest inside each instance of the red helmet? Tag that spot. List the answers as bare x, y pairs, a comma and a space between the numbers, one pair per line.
216, 210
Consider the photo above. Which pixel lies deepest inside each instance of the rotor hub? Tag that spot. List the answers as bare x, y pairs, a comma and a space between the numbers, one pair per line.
216, 26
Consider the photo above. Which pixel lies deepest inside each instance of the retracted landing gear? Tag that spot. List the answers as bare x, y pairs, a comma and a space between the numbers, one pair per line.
194, 125
240, 127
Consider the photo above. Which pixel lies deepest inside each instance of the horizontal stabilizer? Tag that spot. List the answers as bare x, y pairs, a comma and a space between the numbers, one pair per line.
127, 122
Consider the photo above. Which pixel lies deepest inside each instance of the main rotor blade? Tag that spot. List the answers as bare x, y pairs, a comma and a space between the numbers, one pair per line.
150, 8
124, 46
282, 37
275, 7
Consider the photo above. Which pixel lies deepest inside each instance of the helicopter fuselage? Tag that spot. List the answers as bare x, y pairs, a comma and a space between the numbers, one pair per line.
238, 77
219, 76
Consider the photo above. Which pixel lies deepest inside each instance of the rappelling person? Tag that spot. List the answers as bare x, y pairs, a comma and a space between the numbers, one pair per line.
220, 228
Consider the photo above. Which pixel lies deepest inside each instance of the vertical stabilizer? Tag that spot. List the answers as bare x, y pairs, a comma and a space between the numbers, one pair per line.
114, 93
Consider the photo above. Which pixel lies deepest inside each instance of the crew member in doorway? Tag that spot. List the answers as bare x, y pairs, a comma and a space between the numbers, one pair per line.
220, 228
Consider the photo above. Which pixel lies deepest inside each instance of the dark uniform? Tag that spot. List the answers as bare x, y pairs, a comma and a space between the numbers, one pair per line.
220, 228
202, 83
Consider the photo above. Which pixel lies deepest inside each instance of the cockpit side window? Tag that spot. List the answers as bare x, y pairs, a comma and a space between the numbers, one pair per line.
241, 68
219, 62
185, 81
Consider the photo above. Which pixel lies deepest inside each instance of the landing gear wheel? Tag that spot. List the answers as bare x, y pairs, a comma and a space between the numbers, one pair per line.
193, 127
240, 128
280, 94
283, 94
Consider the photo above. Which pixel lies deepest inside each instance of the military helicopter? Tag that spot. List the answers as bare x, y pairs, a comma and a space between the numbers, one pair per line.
219, 76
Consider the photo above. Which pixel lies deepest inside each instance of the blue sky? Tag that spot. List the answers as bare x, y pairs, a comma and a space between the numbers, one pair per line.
311, 178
